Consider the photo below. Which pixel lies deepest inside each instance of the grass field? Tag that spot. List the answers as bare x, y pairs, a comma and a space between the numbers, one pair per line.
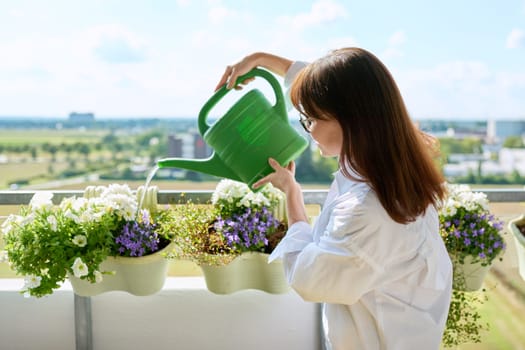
34, 137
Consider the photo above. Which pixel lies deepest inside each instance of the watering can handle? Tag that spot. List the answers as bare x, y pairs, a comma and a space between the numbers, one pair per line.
280, 105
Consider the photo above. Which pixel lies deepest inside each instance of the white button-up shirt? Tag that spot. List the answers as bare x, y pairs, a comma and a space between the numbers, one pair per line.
385, 285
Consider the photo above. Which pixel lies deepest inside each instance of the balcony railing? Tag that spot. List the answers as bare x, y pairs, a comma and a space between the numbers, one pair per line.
82, 305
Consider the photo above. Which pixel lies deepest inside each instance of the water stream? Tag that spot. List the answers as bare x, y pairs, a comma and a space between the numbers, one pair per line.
144, 189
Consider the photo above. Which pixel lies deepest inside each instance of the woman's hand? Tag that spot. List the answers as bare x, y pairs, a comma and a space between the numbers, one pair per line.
233, 72
283, 177
276, 64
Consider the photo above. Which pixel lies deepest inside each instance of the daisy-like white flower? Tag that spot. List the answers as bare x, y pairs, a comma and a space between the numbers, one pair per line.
80, 240
41, 201
7, 225
79, 268
70, 215
229, 191
32, 281
52, 221
98, 276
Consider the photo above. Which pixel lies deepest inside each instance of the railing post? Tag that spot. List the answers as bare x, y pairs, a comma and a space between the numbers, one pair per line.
83, 323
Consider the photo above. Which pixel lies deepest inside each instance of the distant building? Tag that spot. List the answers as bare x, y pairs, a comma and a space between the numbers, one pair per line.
200, 148
458, 129
499, 130
174, 146
81, 118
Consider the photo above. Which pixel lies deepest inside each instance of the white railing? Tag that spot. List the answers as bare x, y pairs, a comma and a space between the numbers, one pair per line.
82, 305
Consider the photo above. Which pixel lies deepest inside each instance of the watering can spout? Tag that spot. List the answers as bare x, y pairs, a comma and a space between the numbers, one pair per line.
211, 166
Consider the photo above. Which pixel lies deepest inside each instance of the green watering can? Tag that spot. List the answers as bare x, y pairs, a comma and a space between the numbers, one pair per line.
246, 136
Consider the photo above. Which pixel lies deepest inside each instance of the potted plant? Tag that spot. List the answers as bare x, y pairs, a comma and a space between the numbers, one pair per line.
231, 237
472, 235
87, 239
473, 239
517, 228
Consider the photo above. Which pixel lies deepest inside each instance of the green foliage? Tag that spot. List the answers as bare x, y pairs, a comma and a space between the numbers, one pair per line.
513, 142
314, 168
46, 242
202, 232
449, 145
472, 178
464, 323
194, 239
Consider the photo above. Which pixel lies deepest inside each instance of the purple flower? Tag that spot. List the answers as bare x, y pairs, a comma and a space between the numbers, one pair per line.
138, 238
248, 231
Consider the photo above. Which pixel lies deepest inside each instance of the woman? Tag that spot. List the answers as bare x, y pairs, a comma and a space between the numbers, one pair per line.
374, 256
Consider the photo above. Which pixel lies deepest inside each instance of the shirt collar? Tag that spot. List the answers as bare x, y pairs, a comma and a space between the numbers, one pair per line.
343, 183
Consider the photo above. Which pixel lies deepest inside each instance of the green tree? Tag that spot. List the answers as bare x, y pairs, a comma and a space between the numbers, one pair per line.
513, 142
84, 149
50, 148
34, 153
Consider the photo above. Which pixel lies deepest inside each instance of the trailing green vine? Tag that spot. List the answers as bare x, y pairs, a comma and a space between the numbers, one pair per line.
464, 323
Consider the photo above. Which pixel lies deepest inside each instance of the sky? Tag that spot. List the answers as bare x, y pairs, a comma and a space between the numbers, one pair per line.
452, 59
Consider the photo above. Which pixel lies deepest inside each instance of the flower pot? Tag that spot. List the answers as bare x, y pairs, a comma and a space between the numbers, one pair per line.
250, 270
139, 276
519, 239
474, 274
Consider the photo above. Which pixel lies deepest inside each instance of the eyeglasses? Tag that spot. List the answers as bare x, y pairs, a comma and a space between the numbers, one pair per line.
306, 123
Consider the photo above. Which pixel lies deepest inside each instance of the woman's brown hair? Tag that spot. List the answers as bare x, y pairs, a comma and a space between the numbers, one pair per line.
380, 142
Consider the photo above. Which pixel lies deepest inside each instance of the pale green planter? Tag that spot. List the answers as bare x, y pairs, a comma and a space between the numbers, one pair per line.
474, 274
248, 271
139, 276
519, 240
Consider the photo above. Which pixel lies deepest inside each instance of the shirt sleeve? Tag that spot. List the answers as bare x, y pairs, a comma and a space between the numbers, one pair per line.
289, 77
345, 263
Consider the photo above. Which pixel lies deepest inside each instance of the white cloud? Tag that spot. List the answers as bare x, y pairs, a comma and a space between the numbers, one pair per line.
395, 43
322, 11
220, 14
339, 42
461, 90
398, 38
114, 43
515, 39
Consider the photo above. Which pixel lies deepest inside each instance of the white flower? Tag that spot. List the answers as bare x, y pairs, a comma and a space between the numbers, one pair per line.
11, 221
79, 268
32, 281
252, 199
117, 189
27, 220
69, 214
80, 204
41, 200
84, 217
461, 196
93, 191
228, 190
52, 221
98, 276
449, 211
80, 240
